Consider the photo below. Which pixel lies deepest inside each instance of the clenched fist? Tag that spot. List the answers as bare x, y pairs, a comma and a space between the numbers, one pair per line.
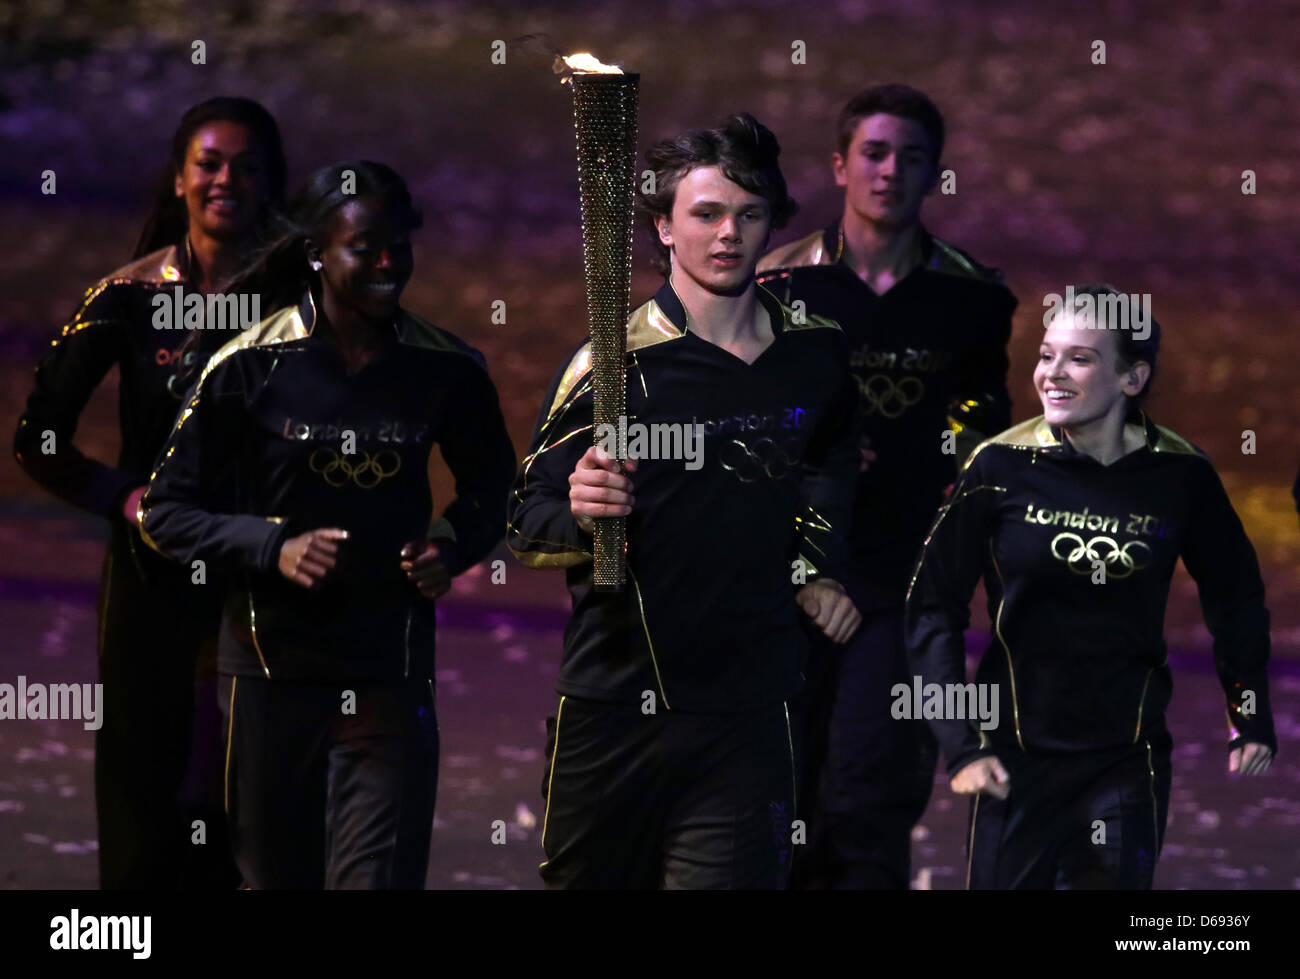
598, 488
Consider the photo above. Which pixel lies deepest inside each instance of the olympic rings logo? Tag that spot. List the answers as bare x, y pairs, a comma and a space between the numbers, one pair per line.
1120, 561
366, 473
889, 399
766, 456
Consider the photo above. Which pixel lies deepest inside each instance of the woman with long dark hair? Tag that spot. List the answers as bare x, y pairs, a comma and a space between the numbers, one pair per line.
301, 462
157, 752
1076, 520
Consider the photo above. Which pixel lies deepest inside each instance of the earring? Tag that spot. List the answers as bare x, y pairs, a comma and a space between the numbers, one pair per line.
315, 265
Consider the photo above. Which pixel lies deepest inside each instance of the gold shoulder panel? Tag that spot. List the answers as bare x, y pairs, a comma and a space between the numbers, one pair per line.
1032, 434
647, 326
159, 268
811, 321
1171, 442
578, 367
953, 261
280, 327
809, 250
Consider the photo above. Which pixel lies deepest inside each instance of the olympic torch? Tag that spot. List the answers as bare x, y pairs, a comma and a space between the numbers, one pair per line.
604, 119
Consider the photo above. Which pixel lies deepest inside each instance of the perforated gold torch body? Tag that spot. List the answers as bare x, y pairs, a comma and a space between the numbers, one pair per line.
605, 121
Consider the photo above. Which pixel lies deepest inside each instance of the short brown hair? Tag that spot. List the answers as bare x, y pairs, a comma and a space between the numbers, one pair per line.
893, 100
742, 147
1128, 348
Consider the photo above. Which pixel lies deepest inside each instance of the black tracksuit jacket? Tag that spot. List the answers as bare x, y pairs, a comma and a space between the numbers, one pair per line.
112, 326
1080, 660
928, 356
709, 619
277, 438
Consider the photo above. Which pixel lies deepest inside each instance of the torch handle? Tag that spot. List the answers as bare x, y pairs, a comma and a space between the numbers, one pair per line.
610, 538
604, 115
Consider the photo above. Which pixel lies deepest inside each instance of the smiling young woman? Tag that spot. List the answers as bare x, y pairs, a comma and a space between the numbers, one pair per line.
157, 753
1076, 520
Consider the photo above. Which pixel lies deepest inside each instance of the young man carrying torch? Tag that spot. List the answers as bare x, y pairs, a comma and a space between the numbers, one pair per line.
671, 756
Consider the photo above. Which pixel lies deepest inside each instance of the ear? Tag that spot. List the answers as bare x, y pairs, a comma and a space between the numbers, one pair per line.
839, 167
664, 228
178, 186
1134, 379
312, 249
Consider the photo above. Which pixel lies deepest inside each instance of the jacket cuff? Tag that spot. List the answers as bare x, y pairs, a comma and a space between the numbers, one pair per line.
109, 490
1260, 733
267, 555
963, 759
449, 553
442, 533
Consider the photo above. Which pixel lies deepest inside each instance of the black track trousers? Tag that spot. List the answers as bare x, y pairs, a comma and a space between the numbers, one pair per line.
868, 776
321, 798
670, 800
1090, 820
157, 753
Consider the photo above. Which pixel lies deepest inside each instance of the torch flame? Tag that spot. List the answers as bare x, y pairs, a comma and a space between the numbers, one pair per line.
584, 63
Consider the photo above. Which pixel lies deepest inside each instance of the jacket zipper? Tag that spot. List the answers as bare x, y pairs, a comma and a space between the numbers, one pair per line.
406, 669
1137, 731
252, 625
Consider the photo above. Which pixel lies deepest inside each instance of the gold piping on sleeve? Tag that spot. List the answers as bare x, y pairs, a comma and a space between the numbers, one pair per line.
803, 524
970, 844
528, 461
943, 512
533, 559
